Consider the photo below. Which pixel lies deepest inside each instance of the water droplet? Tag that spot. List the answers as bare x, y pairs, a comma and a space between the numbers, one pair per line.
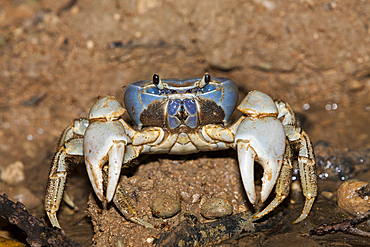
30, 137
306, 106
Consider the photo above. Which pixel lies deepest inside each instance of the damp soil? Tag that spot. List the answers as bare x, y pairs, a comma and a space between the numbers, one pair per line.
57, 57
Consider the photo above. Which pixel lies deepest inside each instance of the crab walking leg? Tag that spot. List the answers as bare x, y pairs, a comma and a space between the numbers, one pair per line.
282, 187
77, 128
306, 159
57, 178
307, 166
69, 201
123, 204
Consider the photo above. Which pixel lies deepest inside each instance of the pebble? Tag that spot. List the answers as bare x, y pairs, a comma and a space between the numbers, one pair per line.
20, 194
216, 207
146, 184
353, 196
90, 44
356, 85
13, 174
165, 206
328, 195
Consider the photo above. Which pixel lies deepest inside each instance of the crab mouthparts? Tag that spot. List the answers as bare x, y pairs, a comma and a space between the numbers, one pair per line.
182, 112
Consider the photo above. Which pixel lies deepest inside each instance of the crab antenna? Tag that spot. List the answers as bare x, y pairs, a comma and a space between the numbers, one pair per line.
205, 80
158, 82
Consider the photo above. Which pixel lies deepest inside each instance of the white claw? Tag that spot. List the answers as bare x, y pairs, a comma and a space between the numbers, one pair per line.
271, 169
115, 154
246, 157
263, 140
104, 141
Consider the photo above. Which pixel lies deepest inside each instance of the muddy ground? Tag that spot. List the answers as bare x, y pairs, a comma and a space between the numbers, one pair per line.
57, 57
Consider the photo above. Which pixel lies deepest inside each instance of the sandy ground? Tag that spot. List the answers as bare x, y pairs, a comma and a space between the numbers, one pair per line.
57, 57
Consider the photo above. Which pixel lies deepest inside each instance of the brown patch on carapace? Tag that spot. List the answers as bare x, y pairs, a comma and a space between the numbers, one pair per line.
154, 114
210, 112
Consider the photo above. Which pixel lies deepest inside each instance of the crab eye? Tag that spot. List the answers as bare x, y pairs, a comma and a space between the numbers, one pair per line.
155, 79
158, 82
205, 80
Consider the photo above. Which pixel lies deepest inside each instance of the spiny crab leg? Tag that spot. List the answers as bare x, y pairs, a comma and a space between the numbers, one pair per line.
306, 163
300, 143
70, 145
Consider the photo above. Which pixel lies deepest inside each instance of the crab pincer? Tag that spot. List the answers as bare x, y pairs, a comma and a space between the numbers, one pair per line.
260, 137
105, 140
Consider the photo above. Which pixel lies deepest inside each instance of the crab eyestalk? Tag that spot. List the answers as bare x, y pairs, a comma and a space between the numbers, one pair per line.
158, 82
205, 80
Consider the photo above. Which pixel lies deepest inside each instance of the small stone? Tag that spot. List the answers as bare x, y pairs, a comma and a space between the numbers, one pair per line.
195, 198
242, 208
51, 19
25, 196
356, 85
75, 10
328, 195
265, 66
165, 206
150, 240
90, 44
20, 194
295, 186
349, 66
216, 207
117, 16
353, 196
143, 6
13, 174
146, 184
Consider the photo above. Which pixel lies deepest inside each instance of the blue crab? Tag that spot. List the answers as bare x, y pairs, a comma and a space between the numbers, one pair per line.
183, 116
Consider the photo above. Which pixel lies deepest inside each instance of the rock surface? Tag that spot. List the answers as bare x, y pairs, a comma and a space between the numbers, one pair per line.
353, 196
216, 207
13, 174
